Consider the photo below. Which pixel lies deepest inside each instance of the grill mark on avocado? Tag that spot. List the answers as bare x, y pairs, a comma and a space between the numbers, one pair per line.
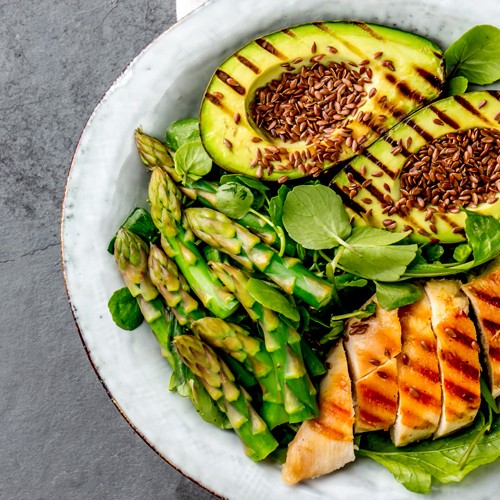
366, 28
380, 164
348, 45
469, 107
358, 209
429, 77
419, 130
213, 99
224, 77
391, 108
375, 192
249, 64
269, 47
404, 89
495, 94
445, 118
404, 152
289, 32
448, 221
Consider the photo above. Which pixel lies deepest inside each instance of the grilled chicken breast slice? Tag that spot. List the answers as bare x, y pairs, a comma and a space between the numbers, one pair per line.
419, 382
457, 354
326, 443
484, 295
377, 398
373, 341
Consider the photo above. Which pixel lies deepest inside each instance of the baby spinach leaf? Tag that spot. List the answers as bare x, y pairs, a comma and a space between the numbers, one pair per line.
125, 310
192, 161
271, 298
432, 253
182, 131
315, 217
233, 200
394, 295
415, 465
483, 236
462, 252
476, 55
372, 255
457, 85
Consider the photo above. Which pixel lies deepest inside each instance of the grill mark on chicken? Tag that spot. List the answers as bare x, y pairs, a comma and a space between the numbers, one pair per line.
377, 398
460, 392
482, 295
461, 365
456, 335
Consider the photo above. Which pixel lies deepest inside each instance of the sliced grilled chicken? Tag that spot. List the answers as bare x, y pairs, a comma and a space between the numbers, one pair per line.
419, 383
372, 341
457, 354
377, 398
326, 443
484, 294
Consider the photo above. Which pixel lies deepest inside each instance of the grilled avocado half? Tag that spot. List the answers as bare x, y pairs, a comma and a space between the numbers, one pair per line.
371, 184
390, 72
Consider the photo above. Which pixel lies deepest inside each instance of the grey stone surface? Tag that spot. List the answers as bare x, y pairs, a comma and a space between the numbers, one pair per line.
60, 435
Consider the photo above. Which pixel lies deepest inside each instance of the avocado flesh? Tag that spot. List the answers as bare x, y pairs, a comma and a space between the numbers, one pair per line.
463, 112
418, 78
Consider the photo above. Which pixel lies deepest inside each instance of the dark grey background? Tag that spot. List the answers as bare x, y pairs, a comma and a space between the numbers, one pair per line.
60, 435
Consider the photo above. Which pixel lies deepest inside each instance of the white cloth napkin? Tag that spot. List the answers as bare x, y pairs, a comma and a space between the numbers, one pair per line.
184, 7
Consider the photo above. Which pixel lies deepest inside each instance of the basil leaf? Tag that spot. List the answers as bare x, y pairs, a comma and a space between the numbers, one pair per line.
415, 465
233, 200
182, 131
457, 85
269, 297
394, 295
476, 55
315, 217
483, 236
125, 310
192, 161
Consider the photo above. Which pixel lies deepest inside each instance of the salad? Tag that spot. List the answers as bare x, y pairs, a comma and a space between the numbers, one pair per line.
318, 260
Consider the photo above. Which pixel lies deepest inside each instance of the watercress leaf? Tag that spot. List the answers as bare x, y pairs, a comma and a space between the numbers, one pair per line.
378, 263
182, 131
457, 85
271, 298
476, 55
233, 200
483, 236
347, 280
250, 182
192, 161
432, 253
366, 235
462, 252
334, 334
315, 217
313, 364
439, 458
125, 310
366, 312
276, 205
394, 295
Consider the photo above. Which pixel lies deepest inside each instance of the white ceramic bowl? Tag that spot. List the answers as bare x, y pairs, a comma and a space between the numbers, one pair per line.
164, 83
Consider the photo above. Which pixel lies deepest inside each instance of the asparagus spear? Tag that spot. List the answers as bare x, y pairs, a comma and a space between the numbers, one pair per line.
178, 243
231, 338
154, 153
282, 341
218, 380
131, 255
227, 236
250, 350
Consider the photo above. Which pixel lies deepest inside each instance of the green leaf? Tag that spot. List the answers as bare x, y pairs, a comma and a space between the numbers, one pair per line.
315, 217
138, 222
373, 256
394, 295
334, 334
233, 200
366, 312
439, 459
258, 188
476, 55
276, 205
125, 310
462, 252
457, 85
271, 298
488, 397
192, 161
432, 253
483, 236
348, 280
182, 131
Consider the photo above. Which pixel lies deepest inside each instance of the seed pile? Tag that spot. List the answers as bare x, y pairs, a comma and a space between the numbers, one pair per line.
310, 103
458, 169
